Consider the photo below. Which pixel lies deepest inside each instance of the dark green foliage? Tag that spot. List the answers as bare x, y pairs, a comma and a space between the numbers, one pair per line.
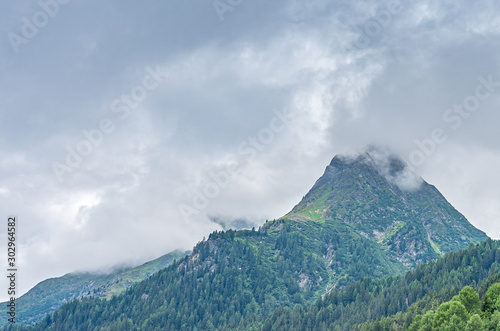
50, 294
191, 295
418, 291
235, 279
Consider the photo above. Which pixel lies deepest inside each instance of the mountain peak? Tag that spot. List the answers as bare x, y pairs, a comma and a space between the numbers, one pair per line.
389, 165
377, 195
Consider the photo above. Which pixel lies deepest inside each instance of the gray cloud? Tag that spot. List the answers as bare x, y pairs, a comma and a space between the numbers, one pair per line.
225, 82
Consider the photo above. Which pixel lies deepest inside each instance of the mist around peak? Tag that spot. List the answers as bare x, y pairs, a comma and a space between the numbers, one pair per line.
389, 164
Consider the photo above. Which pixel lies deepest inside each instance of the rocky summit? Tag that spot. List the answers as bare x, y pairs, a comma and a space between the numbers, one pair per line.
379, 197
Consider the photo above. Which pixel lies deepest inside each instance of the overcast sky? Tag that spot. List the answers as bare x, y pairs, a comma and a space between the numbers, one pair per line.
125, 126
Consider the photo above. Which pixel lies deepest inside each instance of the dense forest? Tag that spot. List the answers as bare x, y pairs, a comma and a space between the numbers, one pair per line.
470, 310
417, 291
234, 279
202, 300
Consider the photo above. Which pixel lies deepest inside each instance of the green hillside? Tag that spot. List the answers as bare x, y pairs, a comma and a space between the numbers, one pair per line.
401, 297
50, 294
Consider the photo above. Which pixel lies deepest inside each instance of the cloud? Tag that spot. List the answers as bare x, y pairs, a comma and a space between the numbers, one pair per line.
394, 169
343, 89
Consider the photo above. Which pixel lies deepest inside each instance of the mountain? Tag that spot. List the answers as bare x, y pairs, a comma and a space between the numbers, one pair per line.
50, 294
367, 216
378, 197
